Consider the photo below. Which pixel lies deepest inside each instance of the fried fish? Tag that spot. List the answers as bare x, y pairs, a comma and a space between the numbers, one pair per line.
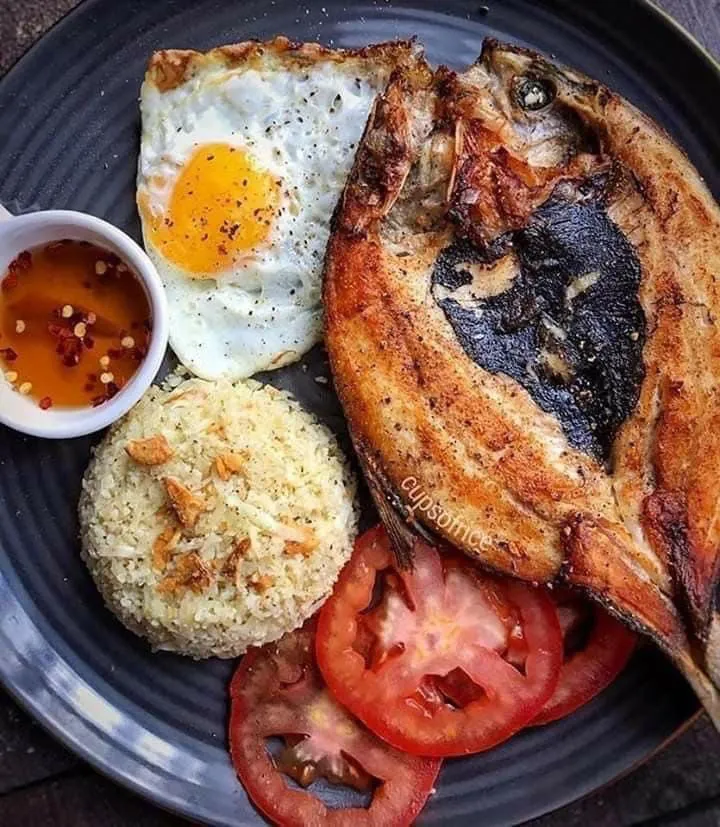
521, 316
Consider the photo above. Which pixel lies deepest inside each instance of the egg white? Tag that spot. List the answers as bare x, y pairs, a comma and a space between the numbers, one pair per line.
301, 126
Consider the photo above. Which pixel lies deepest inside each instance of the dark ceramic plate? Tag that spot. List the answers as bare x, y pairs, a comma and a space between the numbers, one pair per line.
69, 137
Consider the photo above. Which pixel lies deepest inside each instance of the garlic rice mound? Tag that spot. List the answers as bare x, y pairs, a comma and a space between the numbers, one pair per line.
216, 516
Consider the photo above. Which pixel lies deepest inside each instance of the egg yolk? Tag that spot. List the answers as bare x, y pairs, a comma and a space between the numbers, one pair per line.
222, 207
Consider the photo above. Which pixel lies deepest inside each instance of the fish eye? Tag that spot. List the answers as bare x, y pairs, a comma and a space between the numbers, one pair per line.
533, 94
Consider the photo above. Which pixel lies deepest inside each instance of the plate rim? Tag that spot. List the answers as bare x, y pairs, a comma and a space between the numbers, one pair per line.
652, 6
50, 715
680, 30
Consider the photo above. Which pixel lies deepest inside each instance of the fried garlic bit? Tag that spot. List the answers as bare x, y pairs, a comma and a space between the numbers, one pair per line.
228, 464
185, 396
164, 546
190, 572
154, 450
219, 428
186, 505
293, 548
231, 565
262, 583
304, 545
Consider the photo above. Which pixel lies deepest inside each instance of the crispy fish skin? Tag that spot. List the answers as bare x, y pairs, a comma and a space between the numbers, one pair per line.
478, 457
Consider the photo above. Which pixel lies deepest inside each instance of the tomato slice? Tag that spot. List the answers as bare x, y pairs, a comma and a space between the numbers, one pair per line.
594, 657
385, 657
278, 691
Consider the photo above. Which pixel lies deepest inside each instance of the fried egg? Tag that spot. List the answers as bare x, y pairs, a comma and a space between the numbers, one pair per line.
244, 154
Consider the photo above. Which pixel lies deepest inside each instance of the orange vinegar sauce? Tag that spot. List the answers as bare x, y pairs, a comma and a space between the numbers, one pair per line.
74, 324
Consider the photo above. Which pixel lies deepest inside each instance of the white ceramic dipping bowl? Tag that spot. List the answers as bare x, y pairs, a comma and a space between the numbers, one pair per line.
23, 232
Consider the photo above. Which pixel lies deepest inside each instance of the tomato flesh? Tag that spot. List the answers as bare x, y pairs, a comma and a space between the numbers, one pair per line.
591, 667
386, 660
277, 691
597, 648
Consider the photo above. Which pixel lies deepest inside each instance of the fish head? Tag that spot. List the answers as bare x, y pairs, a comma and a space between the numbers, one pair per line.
545, 113
521, 126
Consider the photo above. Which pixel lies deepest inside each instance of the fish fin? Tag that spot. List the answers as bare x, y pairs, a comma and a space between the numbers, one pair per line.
402, 527
600, 565
698, 563
385, 153
599, 561
684, 536
402, 536
712, 650
704, 684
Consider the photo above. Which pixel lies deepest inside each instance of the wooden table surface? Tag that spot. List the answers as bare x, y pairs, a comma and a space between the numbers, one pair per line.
43, 785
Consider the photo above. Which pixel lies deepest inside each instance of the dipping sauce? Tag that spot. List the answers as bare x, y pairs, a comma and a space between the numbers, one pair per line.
74, 324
